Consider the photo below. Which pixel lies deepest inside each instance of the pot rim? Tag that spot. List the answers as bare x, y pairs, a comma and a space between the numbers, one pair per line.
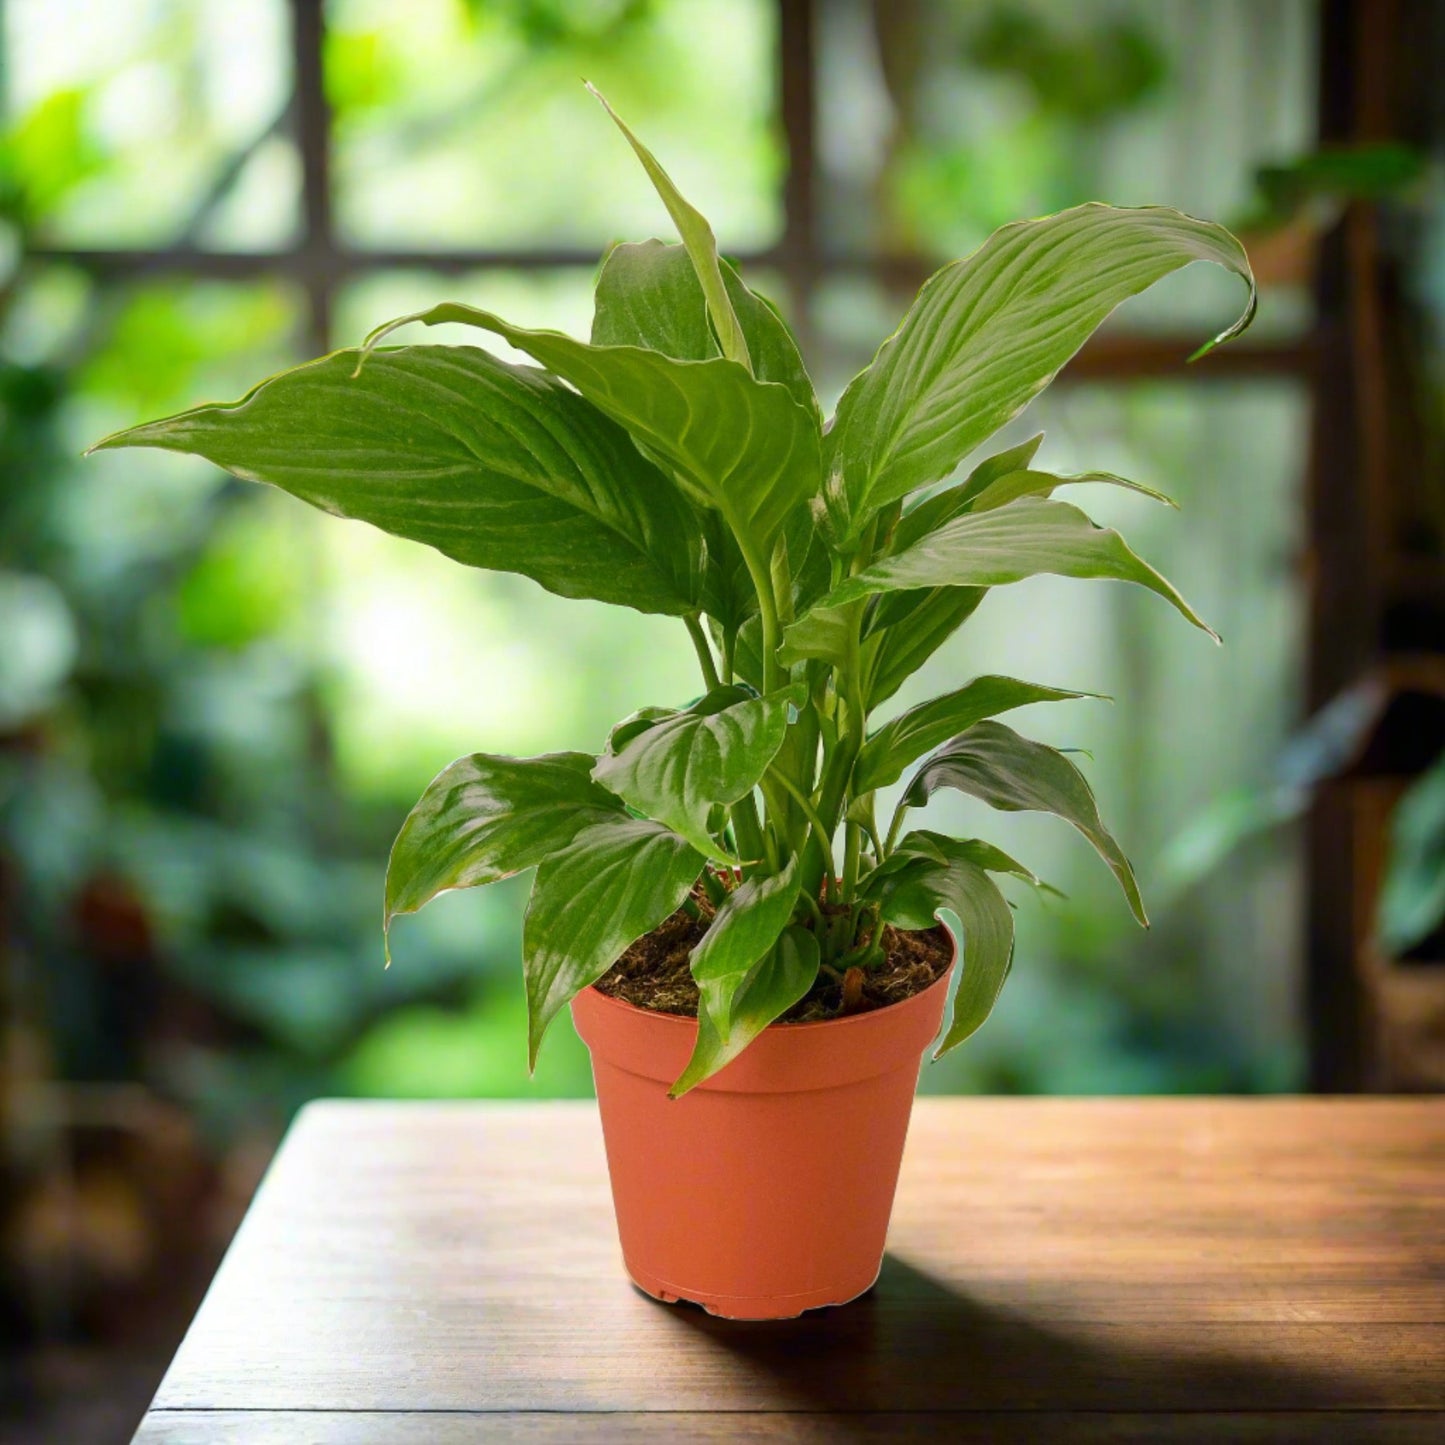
689, 1021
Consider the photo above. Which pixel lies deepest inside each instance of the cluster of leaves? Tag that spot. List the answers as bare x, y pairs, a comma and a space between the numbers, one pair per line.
678, 463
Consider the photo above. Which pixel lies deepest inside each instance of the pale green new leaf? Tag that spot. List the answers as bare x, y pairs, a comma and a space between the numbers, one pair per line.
771, 987
730, 441
988, 333
615, 881
1030, 536
744, 930
497, 466
907, 737
699, 240
648, 295
485, 818
1012, 773
714, 752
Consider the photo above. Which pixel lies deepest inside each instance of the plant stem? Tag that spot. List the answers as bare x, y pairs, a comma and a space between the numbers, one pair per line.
870, 825
729, 657
812, 906
767, 610
893, 828
704, 652
749, 831
788, 786
852, 835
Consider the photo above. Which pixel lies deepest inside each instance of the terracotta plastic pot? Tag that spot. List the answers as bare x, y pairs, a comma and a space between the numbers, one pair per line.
766, 1190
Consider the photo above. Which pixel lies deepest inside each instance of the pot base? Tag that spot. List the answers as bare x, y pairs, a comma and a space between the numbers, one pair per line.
745, 1307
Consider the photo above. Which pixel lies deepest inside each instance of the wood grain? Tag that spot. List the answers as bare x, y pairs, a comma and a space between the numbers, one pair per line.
1081, 1260
290, 1427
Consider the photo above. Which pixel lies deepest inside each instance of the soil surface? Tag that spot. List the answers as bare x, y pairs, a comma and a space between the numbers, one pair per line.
653, 973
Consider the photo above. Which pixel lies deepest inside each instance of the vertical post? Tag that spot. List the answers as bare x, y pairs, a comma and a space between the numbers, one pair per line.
797, 87
313, 138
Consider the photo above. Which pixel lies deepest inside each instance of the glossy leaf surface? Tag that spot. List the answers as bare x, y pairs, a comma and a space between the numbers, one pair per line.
648, 295
498, 466
770, 988
699, 241
730, 441
988, 333
485, 818
737, 979
898, 743
615, 881
676, 769
927, 891
1013, 773
1030, 536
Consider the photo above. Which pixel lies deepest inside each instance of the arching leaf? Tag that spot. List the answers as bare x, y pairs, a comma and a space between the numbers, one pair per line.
497, 466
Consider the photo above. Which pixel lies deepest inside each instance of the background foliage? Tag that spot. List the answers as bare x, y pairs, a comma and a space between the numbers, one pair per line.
216, 708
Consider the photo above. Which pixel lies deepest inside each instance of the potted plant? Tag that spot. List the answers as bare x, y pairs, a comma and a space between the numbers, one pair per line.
752, 954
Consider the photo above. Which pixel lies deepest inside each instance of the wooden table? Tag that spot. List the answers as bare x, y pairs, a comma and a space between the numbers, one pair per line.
1093, 1270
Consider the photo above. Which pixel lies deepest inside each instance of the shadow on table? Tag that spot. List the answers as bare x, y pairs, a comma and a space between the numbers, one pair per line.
915, 1344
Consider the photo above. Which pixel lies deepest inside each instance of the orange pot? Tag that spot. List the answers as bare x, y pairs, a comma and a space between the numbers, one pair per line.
766, 1190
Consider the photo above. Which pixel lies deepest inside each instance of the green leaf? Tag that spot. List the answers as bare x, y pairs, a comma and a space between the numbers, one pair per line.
1012, 773
716, 751
730, 441
770, 988
907, 629
740, 937
988, 333
497, 466
1412, 901
932, 512
701, 244
896, 744
922, 842
1043, 484
634, 723
1023, 539
485, 818
926, 892
648, 295
823, 632
615, 881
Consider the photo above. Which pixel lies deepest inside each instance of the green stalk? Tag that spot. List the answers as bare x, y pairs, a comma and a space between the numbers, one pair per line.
704, 652
749, 831
852, 846
819, 830
767, 611
893, 827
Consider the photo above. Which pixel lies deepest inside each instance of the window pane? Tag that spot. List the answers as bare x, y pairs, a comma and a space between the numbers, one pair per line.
940, 123
466, 125
152, 122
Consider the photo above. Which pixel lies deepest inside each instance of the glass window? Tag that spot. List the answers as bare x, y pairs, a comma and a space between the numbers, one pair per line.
940, 123
466, 125
152, 123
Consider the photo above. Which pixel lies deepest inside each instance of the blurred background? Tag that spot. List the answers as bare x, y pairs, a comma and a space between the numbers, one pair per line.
216, 706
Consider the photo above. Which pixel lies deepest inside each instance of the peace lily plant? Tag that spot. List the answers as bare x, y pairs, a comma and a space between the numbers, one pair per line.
678, 463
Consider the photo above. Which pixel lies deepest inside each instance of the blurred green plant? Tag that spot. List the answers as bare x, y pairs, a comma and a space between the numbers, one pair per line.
1085, 75
1412, 899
